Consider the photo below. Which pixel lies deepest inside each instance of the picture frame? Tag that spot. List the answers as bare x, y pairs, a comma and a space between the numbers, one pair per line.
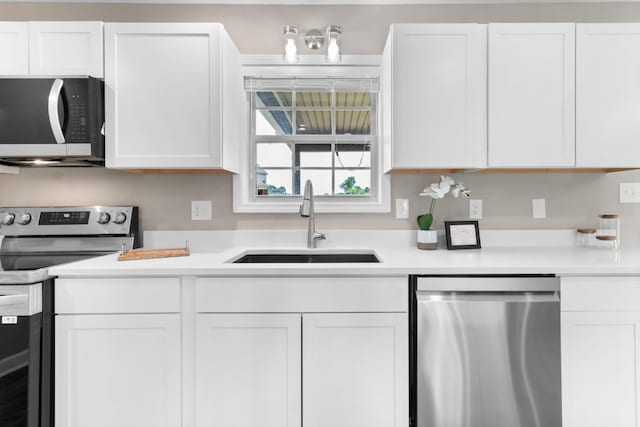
462, 234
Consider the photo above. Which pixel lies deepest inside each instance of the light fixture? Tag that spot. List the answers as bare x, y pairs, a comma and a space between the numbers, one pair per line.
333, 48
314, 40
290, 35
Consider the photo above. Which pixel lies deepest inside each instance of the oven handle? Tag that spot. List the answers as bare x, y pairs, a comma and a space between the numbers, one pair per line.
13, 299
54, 119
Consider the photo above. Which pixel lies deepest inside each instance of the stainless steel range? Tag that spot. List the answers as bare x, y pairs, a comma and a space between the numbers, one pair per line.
34, 239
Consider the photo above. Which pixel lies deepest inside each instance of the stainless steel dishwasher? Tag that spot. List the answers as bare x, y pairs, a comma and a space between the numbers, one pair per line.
486, 351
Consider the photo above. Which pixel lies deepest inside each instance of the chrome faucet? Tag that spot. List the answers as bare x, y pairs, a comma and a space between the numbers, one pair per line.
307, 211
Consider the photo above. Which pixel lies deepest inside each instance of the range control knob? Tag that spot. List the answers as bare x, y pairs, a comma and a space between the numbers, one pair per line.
104, 217
24, 218
120, 218
7, 219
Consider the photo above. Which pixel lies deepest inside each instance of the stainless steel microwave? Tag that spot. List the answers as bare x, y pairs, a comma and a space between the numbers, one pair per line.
52, 121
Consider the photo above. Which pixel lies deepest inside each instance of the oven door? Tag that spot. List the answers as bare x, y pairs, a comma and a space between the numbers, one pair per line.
20, 355
49, 118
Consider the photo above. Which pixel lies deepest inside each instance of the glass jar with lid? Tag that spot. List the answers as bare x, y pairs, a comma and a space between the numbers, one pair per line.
609, 225
607, 242
586, 237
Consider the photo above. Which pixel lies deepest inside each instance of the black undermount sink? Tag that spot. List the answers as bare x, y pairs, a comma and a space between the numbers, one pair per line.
301, 258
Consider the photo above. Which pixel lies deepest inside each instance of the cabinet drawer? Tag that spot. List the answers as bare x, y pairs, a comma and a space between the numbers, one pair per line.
301, 294
600, 293
127, 295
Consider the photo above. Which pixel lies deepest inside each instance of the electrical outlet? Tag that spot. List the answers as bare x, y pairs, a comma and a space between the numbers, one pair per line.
629, 192
402, 208
475, 209
201, 210
539, 208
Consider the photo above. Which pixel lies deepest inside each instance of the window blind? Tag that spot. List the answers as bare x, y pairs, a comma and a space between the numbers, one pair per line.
259, 84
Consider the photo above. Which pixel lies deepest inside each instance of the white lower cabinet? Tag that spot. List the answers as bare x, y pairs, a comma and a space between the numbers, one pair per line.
118, 370
232, 352
600, 361
253, 369
248, 370
599, 370
355, 370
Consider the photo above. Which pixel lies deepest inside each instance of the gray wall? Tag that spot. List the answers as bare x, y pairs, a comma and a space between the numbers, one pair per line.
573, 199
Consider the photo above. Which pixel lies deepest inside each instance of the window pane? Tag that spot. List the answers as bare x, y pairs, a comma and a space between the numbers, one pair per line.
313, 155
273, 99
313, 122
313, 99
353, 99
275, 122
353, 155
353, 122
273, 155
274, 182
353, 182
321, 180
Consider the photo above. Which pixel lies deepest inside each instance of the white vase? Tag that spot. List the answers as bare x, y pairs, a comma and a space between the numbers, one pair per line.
427, 239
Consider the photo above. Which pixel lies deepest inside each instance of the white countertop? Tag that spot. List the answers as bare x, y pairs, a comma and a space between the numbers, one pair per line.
397, 258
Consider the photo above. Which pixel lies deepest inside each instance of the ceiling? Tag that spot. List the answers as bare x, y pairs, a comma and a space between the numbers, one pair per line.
323, 2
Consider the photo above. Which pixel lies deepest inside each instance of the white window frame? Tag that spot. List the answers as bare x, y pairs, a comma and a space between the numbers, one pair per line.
271, 66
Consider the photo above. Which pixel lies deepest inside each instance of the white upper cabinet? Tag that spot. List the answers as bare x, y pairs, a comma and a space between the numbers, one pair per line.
66, 49
173, 97
608, 95
51, 49
531, 95
434, 96
14, 48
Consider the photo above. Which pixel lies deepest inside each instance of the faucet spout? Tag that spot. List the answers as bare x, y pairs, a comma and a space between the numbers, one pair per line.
307, 210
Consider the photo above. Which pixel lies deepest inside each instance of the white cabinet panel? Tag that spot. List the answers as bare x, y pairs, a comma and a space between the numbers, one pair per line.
355, 370
117, 295
14, 48
599, 369
164, 97
531, 95
434, 96
608, 95
248, 370
118, 370
301, 294
66, 49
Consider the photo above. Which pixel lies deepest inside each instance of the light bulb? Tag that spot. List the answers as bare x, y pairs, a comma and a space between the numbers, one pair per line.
333, 51
291, 51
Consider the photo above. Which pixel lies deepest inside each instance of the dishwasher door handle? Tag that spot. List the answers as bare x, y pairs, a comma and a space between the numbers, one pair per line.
499, 297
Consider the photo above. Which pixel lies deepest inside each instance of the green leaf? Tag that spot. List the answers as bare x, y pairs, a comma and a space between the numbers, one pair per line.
425, 221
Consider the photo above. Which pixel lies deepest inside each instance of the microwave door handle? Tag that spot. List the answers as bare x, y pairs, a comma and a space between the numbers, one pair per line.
54, 119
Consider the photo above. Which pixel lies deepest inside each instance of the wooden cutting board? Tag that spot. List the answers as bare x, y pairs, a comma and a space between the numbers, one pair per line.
153, 253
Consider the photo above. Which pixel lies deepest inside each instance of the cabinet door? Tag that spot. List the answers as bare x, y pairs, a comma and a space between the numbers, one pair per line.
65, 49
14, 48
118, 370
248, 370
355, 370
162, 84
434, 96
531, 95
608, 95
600, 369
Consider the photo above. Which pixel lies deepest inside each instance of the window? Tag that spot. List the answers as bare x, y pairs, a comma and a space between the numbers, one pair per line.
325, 130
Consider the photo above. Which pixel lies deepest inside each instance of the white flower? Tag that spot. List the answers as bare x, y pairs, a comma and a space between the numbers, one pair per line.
459, 188
445, 183
434, 193
440, 189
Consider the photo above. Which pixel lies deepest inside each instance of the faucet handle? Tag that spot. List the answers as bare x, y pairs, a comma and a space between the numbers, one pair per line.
319, 236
